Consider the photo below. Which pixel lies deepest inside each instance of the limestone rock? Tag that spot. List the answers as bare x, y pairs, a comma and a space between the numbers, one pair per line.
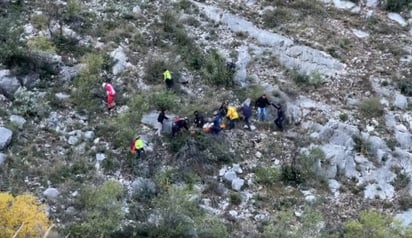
51, 193
5, 137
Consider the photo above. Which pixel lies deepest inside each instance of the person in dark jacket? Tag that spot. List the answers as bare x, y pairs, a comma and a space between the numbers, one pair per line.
261, 104
247, 113
281, 116
216, 124
179, 124
162, 116
199, 119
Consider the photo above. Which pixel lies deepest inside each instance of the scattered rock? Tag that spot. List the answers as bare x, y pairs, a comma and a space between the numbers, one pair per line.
230, 175
5, 137
401, 101
89, 135
398, 18
237, 184
51, 193
62, 96
100, 157
18, 120
8, 84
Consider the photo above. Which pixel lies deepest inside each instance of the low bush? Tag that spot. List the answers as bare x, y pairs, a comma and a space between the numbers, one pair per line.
371, 107
374, 224
235, 198
101, 210
41, 43
397, 5
406, 87
276, 17
216, 72
268, 175
163, 100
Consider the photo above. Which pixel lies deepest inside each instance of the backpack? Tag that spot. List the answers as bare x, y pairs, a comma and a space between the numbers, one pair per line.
133, 147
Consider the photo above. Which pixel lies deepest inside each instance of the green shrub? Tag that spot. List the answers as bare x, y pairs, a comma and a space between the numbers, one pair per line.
40, 21
41, 43
215, 71
276, 17
235, 198
285, 224
371, 107
267, 175
30, 104
361, 146
373, 224
153, 71
343, 116
405, 201
406, 87
397, 5
212, 228
101, 210
11, 45
303, 170
163, 100
314, 79
73, 9
87, 95
401, 181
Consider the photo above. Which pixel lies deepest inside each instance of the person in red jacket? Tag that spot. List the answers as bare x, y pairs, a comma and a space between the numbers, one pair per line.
111, 94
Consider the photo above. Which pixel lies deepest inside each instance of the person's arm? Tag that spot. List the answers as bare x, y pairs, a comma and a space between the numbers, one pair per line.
275, 106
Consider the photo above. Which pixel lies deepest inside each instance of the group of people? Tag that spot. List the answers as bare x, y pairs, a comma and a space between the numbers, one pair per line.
215, 126
228, 112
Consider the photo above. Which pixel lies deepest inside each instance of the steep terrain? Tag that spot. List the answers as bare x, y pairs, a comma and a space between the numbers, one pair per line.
341, 69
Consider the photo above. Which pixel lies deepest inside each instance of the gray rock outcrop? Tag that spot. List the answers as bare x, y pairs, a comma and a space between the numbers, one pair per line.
5, 137
8, 83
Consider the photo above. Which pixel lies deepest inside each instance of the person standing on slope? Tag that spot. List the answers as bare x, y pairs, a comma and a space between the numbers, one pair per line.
111, 94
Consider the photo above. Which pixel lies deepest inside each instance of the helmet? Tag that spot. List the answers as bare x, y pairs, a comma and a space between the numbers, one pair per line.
104, 85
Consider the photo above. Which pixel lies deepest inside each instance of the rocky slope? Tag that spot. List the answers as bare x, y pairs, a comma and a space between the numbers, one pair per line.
342, 70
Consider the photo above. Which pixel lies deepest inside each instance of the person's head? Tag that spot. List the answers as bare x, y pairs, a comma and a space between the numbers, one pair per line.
195, 113
137, 137
164, 69
264, 96
104, 84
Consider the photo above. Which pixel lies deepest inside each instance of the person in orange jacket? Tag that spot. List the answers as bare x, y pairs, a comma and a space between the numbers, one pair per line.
111, 94
232, 115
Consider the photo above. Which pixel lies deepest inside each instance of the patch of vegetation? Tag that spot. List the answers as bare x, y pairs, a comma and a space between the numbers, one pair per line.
405, 201
163, 100
401, 181
235, 198
374, 224
276, 17
285, 224
406, 87
371, 107
315, 79
268, 175
40, 21
11, 45
343, 116
361, 146
101, 210
302, 170
87, 96
397, 5
41, 43
216, 72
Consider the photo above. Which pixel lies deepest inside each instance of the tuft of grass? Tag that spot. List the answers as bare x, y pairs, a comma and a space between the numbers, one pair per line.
371, 107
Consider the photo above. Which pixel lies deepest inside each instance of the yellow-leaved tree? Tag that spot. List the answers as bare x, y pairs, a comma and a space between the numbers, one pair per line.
22, 216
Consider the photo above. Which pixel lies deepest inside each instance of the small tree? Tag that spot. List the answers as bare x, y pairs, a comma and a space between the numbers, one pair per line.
22, 216
374, 224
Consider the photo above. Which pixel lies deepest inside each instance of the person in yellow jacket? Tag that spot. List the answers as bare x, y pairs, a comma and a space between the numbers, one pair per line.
167, 76
232, 115
139, 145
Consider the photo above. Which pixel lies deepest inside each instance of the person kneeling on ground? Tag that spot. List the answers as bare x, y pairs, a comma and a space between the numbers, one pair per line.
139, 145
216, 128
199, 120
178, 124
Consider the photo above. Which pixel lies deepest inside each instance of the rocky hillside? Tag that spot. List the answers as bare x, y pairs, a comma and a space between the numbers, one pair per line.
340, 168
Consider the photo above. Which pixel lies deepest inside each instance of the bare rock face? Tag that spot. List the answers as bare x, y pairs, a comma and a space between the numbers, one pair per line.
5, 137
8, 83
